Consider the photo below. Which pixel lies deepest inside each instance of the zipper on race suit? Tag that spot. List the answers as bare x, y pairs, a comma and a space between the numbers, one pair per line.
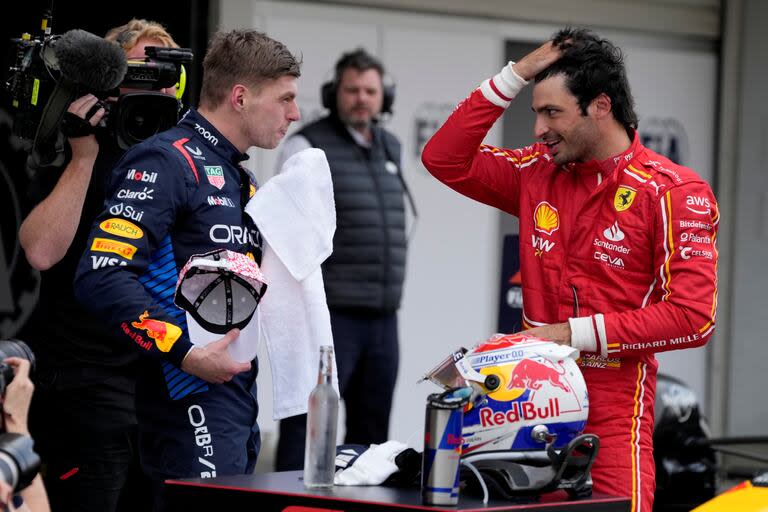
575, 302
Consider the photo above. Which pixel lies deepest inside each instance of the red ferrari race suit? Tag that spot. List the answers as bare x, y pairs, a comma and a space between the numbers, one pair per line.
623, 249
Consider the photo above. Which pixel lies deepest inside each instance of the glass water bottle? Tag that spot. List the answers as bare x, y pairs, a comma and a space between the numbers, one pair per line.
322, 418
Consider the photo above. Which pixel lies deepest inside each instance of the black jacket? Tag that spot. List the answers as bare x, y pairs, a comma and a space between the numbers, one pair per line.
367, 267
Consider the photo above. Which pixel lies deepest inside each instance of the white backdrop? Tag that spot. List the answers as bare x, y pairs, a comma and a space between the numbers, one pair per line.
453, 261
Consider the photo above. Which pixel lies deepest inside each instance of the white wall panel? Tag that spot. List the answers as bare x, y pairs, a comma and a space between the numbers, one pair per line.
453, 258
698, 18
452, 283
747, 406
453, 263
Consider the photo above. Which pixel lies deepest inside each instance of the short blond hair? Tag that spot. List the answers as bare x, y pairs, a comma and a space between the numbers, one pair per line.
129, 34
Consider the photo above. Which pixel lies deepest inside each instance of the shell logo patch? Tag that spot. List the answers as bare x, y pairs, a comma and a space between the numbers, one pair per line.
546, 218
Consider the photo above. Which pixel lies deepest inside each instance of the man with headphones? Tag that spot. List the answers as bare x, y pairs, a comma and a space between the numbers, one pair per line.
83, 417
364, 275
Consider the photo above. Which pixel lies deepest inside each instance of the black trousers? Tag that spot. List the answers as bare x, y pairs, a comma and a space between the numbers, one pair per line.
367, 355
86, 436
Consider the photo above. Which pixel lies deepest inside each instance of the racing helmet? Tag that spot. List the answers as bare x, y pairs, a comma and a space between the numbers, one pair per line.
523, 428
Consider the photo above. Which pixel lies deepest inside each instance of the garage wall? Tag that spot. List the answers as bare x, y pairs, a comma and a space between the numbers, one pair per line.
453, 262
684, 17
746, 407
453, 256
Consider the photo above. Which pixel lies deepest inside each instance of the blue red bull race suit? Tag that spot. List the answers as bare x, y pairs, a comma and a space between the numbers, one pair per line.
177, 194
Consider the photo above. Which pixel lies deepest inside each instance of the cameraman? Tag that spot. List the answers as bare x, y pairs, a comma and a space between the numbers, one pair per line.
16, 401
83, 416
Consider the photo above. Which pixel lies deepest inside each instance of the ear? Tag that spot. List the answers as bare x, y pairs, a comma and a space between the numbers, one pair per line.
237, 97
601, 106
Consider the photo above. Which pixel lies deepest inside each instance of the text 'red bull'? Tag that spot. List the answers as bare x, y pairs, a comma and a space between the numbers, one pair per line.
520, 411
165, 334
138, 338
454, 441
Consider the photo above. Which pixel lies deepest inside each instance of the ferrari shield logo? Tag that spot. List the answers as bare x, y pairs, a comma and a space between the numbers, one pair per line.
215, 175
623, 198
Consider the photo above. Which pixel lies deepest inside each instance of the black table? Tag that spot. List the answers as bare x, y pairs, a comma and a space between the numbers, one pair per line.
285, 492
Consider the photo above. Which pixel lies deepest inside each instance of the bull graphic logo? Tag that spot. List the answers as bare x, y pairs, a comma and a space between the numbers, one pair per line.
164, 333
532, 374
624, 198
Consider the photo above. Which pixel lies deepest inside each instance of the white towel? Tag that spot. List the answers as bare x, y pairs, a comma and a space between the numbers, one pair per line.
373, 467
296, 215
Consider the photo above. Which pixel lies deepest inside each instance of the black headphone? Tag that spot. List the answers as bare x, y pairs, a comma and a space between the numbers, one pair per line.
358, 59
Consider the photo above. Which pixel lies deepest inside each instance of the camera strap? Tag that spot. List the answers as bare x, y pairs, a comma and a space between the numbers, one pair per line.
46, 148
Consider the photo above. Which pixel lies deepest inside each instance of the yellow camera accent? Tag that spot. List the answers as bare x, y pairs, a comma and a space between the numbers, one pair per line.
182, 83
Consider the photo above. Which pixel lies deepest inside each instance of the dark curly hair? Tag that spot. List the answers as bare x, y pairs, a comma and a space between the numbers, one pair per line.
358, 59
591, 66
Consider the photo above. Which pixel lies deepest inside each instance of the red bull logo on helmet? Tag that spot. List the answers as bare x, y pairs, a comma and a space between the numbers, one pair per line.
165, 334
541, 384
520, 411
533, 374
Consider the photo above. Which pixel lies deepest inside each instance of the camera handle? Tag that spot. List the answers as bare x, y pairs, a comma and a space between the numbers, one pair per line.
48, 146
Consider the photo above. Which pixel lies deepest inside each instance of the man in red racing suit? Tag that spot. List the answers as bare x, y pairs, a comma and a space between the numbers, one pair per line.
617, 243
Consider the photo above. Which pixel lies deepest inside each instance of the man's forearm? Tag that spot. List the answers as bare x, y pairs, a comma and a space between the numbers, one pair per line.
49, 229
656, 328
559, 333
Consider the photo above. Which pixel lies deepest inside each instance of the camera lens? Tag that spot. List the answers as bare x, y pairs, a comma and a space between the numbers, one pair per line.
142, 115
9, 470
18, 461
141, 122
16, 348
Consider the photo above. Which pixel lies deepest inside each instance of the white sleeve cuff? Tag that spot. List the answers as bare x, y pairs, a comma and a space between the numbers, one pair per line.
588, 334
502, 88
582, 334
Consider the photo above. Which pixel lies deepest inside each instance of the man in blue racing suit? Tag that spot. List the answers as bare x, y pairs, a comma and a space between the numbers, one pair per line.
177, 194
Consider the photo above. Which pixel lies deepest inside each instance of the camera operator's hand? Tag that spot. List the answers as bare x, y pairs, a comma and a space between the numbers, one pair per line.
18, 396
213, 363
85, 147
47, 232
6, 494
